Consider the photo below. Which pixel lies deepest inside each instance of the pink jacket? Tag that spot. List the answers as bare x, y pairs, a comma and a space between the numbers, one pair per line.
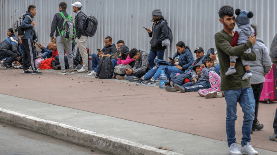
125, 62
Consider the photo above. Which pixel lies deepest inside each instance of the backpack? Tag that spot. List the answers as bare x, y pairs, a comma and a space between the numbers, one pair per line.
105, 68
121, 69
169, 38
67, 27
91, 26
18, 31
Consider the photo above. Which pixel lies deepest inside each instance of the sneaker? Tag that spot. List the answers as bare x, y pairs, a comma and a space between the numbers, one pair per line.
140, 82
257, 126
26, 72
246, 76
149, 83
179, 88
92, 73
170, 89
212, 94
248, 149
234, 150
82, 70
230, 71
5, 66
36, 72
70, 72
118, 77
273, 137
63, 72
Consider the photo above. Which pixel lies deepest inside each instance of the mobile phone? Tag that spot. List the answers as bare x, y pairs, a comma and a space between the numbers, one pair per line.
98, 50
145, 28
212, 51
170, 58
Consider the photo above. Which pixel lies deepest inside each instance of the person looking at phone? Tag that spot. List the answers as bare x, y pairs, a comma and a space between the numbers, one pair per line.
159, 33
181, 61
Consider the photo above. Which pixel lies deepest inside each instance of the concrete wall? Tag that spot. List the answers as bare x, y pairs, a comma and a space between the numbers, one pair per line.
193, 21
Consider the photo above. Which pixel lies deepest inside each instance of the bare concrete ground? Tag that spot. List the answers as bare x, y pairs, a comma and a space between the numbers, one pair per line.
186, 112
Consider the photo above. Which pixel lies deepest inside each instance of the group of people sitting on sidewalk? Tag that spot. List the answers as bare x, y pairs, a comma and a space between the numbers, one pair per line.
181, 74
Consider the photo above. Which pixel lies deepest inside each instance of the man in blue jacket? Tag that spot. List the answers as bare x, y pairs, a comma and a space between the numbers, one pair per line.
9, 48
28, 40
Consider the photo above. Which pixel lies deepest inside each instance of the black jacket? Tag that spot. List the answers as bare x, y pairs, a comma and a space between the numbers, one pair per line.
57, 21
80, 24
11, 44
109, 50
158, 34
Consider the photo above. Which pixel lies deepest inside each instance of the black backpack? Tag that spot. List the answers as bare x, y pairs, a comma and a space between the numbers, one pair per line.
18, 31
105, 68
91, 26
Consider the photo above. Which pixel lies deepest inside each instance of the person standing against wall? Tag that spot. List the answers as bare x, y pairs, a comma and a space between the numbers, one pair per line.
159, 33
80, 26
29, 53
63, 43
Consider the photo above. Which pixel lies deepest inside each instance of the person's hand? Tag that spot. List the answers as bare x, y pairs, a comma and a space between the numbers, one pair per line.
213, 56
39, 45
33, 23
148, 30
179, 67
194, 80
129, 71
202, 66
172, 61
108, 55
252, 39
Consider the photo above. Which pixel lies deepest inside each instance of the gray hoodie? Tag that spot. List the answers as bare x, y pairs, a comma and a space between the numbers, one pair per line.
244, 32
262, 65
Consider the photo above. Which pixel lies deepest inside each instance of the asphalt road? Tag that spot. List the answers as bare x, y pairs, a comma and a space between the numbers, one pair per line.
17, 141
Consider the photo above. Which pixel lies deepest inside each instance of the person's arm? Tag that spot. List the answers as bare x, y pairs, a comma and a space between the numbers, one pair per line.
266, 60
144, 65
54, 26
26, 23
81, 24
190, 60
248, 56
226, 47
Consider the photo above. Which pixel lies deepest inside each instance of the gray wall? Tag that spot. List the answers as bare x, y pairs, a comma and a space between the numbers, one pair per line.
193, 21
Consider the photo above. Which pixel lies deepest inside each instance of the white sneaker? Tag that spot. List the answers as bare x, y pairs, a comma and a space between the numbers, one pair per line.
246, 76
92, 73
231, 71
234, 150
248, 149
82, 70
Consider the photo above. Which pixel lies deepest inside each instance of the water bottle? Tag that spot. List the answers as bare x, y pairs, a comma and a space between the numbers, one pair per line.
163, 79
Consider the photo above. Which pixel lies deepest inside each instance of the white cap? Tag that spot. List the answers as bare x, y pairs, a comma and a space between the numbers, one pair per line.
77, 4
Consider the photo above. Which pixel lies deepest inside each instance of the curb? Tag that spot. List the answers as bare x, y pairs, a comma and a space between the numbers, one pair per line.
80, 136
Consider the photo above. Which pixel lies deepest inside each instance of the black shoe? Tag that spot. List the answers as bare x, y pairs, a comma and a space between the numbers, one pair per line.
26, 72
36, 72
5, 66
170, 89
257, 126
179, 88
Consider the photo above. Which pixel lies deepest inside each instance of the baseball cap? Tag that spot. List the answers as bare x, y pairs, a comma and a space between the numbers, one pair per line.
199, 49
77, 4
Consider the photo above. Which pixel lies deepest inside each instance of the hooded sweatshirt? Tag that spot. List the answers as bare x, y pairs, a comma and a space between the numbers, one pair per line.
29, 31
109, 49
124, 51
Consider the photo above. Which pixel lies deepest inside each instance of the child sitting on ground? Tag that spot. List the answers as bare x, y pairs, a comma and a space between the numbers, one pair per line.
202, 82
241, 37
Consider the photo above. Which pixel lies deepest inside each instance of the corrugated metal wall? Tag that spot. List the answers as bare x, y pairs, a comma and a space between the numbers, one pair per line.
193, 21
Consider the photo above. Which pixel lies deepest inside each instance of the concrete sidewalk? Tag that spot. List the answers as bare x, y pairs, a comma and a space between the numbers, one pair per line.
144, 115
139, 133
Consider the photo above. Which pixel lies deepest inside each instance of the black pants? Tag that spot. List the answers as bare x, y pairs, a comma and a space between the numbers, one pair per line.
138, 74
275, 123
29, 54
7, 53
257, 90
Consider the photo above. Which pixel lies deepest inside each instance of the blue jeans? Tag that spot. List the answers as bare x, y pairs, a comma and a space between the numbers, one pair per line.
95, 61
156, 72
194, 87
246, 100
152, 56
46, 55
114, 62
217, 69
